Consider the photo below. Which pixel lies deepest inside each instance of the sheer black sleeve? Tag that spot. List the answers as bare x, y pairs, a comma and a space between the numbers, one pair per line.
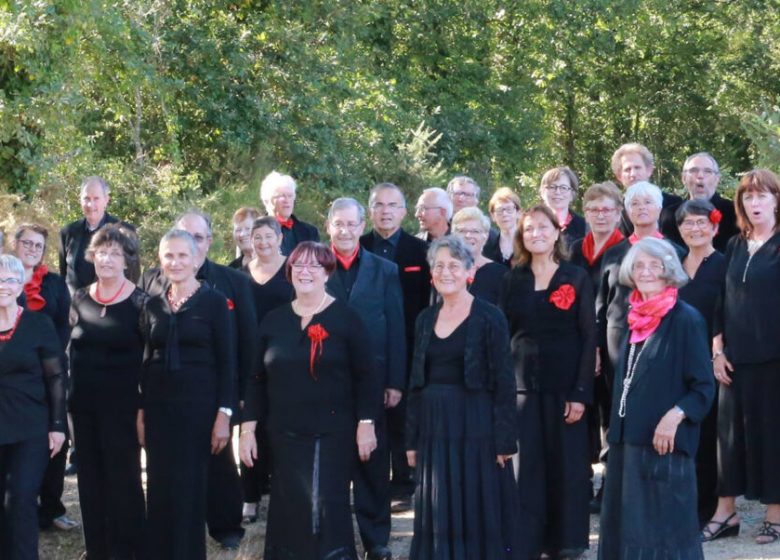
51, 358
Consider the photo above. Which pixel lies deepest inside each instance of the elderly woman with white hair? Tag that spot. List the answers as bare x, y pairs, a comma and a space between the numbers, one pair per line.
277, 193
485, 275
663, 389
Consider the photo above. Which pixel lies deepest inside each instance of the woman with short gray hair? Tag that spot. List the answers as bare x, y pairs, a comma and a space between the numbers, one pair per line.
471, 225
663, 389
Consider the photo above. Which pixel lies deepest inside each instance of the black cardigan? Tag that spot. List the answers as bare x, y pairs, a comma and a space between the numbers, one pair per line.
673, 369
487, 367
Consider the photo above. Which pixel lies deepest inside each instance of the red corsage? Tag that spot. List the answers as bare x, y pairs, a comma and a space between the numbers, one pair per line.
715, 216
563, 297
230, 304
317, 334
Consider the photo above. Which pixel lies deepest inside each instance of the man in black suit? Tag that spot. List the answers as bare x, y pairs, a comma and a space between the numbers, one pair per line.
370, 285
277, 193
225, 499
701, 176
433, 212
387, 209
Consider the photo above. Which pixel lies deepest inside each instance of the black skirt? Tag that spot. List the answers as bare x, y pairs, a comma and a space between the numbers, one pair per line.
464, 503
748, 446
649, 507
309, 517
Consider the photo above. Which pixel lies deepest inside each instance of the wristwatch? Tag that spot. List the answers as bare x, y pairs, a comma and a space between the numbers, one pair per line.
366, 421
228, 412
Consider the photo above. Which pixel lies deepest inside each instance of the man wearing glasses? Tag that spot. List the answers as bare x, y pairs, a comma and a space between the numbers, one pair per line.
701, 176
464, 193
433, 212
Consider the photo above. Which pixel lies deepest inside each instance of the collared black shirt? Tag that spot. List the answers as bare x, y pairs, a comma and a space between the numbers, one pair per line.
386, 247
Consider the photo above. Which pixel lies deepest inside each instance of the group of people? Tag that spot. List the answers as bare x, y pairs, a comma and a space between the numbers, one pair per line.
477, 372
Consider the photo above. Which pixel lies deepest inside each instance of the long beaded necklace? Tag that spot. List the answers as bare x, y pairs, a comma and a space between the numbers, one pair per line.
7, 336
630, 370
109, 301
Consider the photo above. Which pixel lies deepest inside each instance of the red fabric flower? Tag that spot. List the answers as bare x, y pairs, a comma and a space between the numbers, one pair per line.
32, 289
317, 334
563, 297
715, 216
230, 304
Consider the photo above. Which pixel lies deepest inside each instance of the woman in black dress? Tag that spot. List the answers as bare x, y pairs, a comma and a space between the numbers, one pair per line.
460, 420
697, 221
663, 389
187, 397
747, 360
32, 412
549, 304
558, 190
317, 396
106, 351
473, 227
504, 209
46, 292
270, 289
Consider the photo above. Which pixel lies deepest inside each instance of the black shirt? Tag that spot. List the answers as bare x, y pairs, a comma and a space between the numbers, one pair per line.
444, 359
275, 292
704, 289
386, 247
487, 281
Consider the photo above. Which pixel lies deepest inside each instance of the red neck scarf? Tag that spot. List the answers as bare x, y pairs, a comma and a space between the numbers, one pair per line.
633, 238
646, 315
347, 261
589, 246
288, 223
567, 221
32, 289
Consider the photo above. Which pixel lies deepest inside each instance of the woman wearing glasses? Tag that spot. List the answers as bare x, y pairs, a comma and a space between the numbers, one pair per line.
317, 397
473, 227
47, 293
504, 209
558, 188
32, 411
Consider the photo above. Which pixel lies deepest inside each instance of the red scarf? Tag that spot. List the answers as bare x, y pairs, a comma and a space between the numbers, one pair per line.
347, 261
589, 246
32, 289
288, 223
633, 238
567, 221
646, 315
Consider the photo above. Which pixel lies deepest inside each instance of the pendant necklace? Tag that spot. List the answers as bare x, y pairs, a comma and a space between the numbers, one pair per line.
109, 301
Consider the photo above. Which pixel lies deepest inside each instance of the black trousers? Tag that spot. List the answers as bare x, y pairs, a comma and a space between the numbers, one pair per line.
110, 491
402, 479
225, 500
371, 492
52, 486
21, 470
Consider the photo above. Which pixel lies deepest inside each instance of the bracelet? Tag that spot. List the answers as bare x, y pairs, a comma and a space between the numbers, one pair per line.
366, 421
246, 432
717, 355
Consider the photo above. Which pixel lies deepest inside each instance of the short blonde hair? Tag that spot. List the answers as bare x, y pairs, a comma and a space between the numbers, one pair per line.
504, 194
607, 189
471, 213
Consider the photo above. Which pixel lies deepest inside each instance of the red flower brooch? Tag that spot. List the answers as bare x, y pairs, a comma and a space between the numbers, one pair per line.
563, 297
230, 304
317, 334
715, 216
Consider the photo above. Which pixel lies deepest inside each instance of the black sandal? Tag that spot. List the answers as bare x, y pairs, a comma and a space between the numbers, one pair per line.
723, 529
768, 530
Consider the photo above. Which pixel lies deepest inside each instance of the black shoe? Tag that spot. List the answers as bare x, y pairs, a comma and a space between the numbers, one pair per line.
400, 505
70, 470
231, 542
379, 552
722, 529
595, 502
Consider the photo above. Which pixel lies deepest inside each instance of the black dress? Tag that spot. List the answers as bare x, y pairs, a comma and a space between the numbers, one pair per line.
487, 282
554, 349
105, 355
574, 230
309, 396
188, 374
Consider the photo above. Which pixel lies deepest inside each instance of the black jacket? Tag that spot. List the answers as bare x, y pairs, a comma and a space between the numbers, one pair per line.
301, 231
673, 369
726, 229
487, 367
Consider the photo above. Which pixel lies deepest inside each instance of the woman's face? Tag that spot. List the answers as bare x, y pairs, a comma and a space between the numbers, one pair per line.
266, 242
643, 212
109, 262
760, 207
177, 260
647, 275
505, 215
472, 233
558, 194
450, 276
697, 231
10, 287
29, 248
539, 234
242, 235
308, 275
602, 215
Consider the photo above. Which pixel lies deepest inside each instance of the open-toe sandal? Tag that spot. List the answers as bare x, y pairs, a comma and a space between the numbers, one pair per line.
722, 529
768, 533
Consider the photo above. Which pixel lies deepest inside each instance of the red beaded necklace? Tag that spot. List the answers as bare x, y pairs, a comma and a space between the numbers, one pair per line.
109, 301
7, 336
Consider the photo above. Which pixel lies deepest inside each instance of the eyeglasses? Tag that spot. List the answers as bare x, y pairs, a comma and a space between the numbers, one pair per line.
602, 211
284, 195
452, 268
508, 209
558, 188
30, 244
424, 209
463, 194
698, 224
465, 232
655, 268
705, 170
311, 267
200, 238
114, 255
386, 205
11, 281
349, 226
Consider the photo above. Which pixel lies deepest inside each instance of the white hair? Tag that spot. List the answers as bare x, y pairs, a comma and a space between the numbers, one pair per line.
273, 180
442, 200
643, 188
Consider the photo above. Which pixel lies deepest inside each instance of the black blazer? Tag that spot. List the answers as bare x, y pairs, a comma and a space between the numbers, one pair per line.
235, 286
74, 240
376, 296
301, 231
673, 369
726, 229
487, 367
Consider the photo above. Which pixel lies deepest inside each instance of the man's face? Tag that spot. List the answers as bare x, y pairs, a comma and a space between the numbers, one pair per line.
701, 178
633, 169
428, 213
196, 226
463, 195
345, 229
387, 211
93, 203
283, 200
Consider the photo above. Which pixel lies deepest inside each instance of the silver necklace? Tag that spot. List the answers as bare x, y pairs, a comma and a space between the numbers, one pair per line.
630, 370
